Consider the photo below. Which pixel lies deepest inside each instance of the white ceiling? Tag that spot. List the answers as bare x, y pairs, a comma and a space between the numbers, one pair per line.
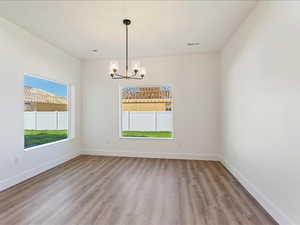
158, 27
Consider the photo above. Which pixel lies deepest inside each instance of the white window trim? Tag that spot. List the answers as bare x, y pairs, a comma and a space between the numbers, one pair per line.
48, 144
71, 113
120, 112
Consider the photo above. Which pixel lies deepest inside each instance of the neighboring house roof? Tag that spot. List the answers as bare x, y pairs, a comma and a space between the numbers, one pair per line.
35, 95
159, 100
149, 93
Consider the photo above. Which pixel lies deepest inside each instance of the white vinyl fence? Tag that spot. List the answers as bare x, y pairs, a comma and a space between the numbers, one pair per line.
46, 120
147, 121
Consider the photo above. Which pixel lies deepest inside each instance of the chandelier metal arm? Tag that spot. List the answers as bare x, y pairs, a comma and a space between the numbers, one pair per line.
133, 76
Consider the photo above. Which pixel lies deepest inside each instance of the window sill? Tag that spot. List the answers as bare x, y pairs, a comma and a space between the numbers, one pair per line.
147, 138
46, 145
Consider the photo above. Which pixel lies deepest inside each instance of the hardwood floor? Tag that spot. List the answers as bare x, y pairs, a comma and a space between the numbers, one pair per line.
130, 191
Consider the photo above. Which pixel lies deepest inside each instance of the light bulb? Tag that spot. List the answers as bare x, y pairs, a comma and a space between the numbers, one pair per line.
114, 67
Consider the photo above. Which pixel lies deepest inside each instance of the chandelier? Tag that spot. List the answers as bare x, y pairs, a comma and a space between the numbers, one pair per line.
137, 72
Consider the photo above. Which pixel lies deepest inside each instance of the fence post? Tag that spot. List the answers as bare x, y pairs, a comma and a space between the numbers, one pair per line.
128, 121
56, 120
155, 118
35, 120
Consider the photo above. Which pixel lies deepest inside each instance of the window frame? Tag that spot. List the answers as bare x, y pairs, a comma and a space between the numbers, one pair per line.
71, 132
120, 111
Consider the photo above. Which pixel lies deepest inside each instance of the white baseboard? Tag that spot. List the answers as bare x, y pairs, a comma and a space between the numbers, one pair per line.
7, 183
188, 156
265, 202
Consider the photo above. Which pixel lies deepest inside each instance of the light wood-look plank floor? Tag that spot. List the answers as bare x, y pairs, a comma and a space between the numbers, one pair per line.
131, 191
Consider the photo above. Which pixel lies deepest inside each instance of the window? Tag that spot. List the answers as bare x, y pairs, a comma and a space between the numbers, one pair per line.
45, 111
146, 112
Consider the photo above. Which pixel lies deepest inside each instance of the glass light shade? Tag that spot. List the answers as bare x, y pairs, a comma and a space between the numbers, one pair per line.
114, 66
136, 65
143, 70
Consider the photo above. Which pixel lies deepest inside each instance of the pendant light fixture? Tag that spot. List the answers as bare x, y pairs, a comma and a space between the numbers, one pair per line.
137, 73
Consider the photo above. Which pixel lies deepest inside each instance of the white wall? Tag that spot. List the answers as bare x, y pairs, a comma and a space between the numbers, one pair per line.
22, 53
261, 107
195, 79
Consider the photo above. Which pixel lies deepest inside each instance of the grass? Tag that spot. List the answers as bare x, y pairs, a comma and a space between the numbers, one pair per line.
38, 137
150, 134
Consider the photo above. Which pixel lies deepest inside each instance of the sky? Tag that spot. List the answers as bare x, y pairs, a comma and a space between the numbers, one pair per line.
50, 86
